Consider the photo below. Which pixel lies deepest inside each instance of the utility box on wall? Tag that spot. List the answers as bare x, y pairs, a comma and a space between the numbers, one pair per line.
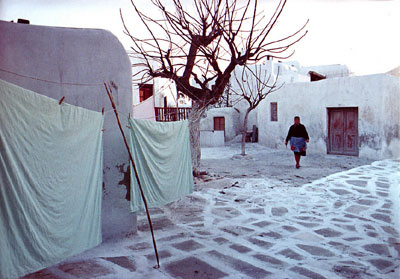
75, 63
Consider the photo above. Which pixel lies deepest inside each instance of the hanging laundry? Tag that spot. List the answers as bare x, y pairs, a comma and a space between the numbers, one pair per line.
161, 151
50, 180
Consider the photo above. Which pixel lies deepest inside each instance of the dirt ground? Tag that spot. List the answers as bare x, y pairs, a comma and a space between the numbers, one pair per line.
262, 162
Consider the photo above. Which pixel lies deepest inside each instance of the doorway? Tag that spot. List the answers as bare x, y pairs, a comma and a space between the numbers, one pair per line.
343, 131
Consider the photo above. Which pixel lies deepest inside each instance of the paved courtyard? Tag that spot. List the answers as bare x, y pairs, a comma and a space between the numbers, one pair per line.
344, 225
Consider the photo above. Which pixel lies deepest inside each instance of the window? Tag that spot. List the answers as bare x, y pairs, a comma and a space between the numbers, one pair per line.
274, 111
145, 91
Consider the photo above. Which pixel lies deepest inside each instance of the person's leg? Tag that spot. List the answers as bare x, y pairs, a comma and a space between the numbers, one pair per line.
297, 158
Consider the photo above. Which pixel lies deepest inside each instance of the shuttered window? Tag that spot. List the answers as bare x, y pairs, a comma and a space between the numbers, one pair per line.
274, 111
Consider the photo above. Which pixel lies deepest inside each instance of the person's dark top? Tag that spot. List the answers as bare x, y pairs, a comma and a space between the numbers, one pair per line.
297, 131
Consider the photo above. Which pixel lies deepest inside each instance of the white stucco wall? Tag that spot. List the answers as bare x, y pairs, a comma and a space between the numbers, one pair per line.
74, 63
231, 121
391, 117
145, 110
212, 138
376, 96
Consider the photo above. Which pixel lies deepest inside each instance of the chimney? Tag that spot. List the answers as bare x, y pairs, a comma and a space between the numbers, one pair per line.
23, 21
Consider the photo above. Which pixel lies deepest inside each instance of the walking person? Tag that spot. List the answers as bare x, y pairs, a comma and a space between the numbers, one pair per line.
298, 138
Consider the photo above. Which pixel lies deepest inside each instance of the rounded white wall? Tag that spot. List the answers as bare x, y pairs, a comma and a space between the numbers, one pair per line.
75, 63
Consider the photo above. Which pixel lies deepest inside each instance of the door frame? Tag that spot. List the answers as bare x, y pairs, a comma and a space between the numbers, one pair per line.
328, 146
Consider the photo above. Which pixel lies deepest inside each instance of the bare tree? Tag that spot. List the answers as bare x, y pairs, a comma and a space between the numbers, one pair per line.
252, 84
200, 46
225, 100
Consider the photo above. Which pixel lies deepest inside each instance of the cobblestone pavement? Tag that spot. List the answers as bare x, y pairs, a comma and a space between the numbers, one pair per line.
345, 225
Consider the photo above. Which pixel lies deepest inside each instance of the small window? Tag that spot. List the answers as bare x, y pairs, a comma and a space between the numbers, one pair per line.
274, 111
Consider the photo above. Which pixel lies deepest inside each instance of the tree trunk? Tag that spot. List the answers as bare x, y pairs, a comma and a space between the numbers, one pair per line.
194, 127
244, 131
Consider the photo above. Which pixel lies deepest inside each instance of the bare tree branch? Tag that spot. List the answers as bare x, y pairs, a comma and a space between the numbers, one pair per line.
199, 46
206, 43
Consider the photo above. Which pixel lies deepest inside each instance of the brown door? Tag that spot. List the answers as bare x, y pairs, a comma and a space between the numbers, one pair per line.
219, 124
343, 131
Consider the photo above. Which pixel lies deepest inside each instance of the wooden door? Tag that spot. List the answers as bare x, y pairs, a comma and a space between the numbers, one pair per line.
219, 124
343, 131
351, 132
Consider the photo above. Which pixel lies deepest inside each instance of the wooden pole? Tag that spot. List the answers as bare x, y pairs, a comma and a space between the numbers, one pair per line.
109, 92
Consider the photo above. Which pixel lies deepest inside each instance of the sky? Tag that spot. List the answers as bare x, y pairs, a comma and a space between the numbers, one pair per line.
362, 34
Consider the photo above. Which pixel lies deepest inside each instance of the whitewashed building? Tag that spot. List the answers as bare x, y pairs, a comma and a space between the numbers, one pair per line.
350, 115
164, 94
230, 119
344, 114
158, 99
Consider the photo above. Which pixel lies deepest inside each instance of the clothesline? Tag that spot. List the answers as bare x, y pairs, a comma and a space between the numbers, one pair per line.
51, 81
65, 83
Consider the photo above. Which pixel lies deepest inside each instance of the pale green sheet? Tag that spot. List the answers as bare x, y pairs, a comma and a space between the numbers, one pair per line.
161, 151
50, 180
